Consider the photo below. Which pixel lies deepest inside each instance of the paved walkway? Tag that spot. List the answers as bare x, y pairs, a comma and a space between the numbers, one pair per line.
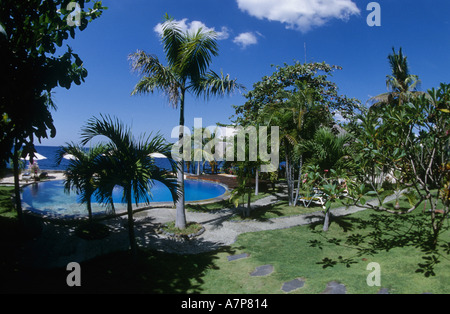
57, 245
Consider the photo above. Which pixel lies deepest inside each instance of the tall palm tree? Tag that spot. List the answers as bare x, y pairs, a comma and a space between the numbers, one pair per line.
402, 85
81, 171
129, 165
188, 58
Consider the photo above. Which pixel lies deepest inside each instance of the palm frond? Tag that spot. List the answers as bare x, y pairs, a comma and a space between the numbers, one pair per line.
119, 134
212, 84
196, 54
155, 76
127, 162
172, 39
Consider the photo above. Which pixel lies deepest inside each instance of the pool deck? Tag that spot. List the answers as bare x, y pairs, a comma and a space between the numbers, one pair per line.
228, 180
8, 180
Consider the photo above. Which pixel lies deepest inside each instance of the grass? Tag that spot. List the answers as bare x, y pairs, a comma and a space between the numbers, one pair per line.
399, 244
6, 205
191, 228
211, 207
282, 209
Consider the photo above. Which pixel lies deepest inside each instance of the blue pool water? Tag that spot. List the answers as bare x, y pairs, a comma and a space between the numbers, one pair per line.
49, 198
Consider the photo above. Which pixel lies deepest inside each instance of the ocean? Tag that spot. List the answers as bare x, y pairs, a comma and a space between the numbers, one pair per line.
50, 163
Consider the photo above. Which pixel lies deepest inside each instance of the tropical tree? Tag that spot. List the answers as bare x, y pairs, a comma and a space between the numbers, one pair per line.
82, 172
203, 147
129, 165
327, 149
188, 58
402, 85
327, 158
290, 116
412, 143
30, 32
298, 98
245, 169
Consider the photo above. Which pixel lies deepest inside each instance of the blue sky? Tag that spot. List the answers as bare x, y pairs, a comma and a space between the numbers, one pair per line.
254, 34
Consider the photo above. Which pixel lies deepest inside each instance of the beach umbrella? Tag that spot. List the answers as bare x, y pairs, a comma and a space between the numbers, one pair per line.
157, 155
69, 157
37, 156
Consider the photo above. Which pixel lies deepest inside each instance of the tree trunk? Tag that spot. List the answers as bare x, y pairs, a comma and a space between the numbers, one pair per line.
288, 175
17, 186
180, 219
248, 203
89, 208
131, 234
257, 182
299, 180
326, 222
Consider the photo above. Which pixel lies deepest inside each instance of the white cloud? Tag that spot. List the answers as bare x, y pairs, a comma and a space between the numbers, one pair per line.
300, 14
194, 26
246, 39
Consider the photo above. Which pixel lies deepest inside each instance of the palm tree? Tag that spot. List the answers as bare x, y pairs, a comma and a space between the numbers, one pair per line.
188, 58
128, 164
400, 83
81, 172
290, 116
327, 150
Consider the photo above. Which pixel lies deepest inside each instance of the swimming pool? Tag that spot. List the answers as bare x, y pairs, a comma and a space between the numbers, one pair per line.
49, 198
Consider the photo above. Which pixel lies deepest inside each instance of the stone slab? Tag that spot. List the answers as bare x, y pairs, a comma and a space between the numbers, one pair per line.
238, 256
262, 271
335, 287
293, 285
383, 291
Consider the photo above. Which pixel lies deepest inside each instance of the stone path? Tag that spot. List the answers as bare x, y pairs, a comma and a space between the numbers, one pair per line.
221, 231
236, 257
293, 285
332, 287
260, 271
335, 287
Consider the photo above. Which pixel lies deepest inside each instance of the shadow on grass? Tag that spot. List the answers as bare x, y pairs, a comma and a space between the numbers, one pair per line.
382, 232
279, 208
114, 272
154, 272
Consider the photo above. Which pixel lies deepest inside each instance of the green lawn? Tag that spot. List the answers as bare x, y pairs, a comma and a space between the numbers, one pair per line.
397, 243
6, 206
279, 209
317, 257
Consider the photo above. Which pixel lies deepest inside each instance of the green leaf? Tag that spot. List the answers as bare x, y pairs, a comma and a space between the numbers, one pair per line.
362, 187
363, 201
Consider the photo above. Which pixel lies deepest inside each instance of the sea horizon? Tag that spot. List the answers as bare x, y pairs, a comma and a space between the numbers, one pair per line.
50, 153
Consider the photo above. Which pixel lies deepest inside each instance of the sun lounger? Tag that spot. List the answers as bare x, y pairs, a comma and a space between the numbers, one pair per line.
316, 199
26, 176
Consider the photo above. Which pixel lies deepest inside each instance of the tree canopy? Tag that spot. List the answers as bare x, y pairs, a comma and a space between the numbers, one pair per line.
31, 33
